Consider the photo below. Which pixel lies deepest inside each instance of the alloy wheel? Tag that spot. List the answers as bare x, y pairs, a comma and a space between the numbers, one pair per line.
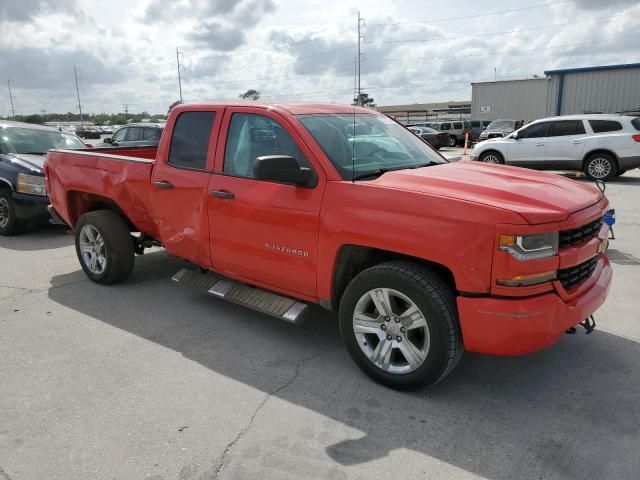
4, 212
92, 249
599, 167
391, 330
491, 158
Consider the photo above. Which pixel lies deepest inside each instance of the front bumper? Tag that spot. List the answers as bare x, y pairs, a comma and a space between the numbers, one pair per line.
505, 326
31, 208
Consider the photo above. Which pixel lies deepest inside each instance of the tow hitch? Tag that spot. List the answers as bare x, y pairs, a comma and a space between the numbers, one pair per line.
589, 324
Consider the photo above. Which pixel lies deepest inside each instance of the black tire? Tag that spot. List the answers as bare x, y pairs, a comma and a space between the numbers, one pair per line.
118, 246
433, 297
453, 141
600, 162
486, 157
9, 223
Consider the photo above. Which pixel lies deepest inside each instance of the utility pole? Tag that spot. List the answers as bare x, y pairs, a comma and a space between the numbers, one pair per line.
126, 111
43, 111
361, 21
75, 73
13, 112
179, 73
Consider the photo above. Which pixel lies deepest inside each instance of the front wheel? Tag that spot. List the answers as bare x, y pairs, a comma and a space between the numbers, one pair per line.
400, 325
104, 247
9, 223
491, 157
453, 141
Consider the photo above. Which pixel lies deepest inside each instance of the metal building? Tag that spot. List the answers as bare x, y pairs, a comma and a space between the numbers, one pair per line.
603, 89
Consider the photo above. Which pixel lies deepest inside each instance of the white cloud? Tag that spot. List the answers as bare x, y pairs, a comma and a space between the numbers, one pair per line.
297, 50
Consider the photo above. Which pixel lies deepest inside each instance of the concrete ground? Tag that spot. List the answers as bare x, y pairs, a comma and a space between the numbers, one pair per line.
148, 380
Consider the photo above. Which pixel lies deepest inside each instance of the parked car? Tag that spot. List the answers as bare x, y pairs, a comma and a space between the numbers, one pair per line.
415, 253
88, 132
500, 128
106, 130
23, 146
434, 138
135, 135
477, 127
455, 130
602, 146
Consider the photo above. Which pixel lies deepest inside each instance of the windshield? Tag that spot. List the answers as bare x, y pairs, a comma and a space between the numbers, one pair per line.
28, 140
367, 143
502, 124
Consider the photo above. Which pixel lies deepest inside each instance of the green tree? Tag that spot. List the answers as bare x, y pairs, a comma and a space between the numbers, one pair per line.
364, 100
251, 94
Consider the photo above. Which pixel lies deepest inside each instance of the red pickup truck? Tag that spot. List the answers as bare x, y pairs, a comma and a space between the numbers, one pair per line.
289, 204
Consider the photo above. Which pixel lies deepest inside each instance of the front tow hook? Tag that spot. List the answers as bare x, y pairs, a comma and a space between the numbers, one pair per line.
589, 324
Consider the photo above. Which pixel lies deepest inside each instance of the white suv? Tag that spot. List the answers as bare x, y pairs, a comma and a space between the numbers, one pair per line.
602, 146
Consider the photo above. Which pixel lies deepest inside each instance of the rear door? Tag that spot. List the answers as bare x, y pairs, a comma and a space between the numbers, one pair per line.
180, 183
528, 150
263, 232
565, 144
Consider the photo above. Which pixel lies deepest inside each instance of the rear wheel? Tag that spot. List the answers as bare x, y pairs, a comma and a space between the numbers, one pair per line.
400, 324
600, 166
9, 223
491, 157
104, 247
453, 141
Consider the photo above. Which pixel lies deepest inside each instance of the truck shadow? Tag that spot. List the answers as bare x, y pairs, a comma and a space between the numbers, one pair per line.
552, 414
622, 258
46, 237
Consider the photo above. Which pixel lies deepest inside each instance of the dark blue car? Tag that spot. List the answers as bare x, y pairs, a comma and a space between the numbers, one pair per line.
23, 150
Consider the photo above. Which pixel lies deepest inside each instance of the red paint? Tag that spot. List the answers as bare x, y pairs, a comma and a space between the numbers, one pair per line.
450, 214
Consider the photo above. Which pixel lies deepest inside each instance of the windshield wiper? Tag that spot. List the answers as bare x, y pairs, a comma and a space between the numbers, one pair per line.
32, 153
380, 171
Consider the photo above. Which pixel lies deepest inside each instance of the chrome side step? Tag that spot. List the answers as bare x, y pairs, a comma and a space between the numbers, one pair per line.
257, 299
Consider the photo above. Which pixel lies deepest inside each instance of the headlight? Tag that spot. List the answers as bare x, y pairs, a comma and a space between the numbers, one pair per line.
31, 184
530, 247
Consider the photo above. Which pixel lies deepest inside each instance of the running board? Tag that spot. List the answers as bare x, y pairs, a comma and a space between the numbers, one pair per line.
255, 298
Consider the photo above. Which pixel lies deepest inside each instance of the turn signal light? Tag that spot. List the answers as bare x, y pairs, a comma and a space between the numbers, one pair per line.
528, 280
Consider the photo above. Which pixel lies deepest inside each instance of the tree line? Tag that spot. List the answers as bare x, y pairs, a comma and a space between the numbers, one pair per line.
96, 119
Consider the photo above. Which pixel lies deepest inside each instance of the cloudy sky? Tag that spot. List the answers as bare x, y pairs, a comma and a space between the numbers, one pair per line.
415, 51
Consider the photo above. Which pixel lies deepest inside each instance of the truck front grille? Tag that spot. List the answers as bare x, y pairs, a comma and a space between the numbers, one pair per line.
575, 236
570, 277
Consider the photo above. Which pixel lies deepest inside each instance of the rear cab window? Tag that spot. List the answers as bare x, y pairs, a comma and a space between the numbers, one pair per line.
190, 140
457, 126
636, 123
602, 126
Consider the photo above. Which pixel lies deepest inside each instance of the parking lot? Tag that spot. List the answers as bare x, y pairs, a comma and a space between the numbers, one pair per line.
147, 379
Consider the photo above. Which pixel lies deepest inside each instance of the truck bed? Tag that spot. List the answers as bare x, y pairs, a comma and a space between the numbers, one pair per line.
76, 180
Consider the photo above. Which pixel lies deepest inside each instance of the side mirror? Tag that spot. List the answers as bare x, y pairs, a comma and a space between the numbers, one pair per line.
284, 169
514, 135
107, 140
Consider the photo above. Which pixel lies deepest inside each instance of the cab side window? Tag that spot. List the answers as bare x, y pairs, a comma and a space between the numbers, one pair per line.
564, 128
537, 130
190, 140
251, 136
134, 134
119, 135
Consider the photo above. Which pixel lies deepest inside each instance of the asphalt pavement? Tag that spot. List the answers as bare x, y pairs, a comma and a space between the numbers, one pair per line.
149, 380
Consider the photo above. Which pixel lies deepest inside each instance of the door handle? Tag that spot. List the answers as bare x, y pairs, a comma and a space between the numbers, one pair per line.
539, 144
576, 142
223, 194
163, 184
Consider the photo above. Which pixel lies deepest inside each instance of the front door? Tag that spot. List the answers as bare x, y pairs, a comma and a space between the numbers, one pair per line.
565, 144
180, 183
263, 232
528, 150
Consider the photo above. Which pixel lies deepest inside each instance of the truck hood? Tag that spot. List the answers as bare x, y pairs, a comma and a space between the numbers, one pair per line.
536, 196
34, 163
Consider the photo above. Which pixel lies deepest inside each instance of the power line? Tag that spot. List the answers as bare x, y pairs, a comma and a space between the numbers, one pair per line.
13, 112
75, 74
499, 12
449, 57
507, 32
360, 37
